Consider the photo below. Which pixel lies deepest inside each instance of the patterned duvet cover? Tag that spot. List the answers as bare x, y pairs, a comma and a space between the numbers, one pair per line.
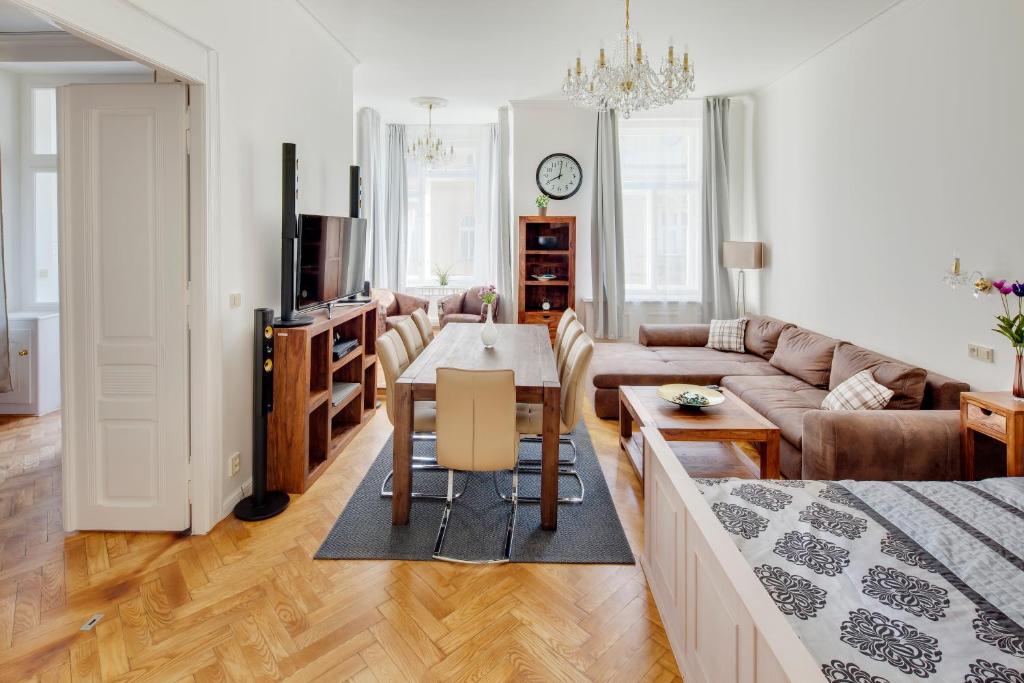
889, 581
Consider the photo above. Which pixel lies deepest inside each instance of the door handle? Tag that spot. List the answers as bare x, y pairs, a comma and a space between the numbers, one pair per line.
23, 352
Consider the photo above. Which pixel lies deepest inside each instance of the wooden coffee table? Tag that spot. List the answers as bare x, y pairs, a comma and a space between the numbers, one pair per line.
731, 421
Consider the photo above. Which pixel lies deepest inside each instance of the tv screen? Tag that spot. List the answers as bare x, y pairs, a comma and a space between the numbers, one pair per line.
332, 259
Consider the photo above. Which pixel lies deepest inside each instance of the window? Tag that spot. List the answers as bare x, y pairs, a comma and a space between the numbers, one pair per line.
40, 176
449, 211
661, 164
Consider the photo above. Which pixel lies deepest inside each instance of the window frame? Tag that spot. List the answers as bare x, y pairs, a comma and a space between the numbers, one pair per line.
692, 188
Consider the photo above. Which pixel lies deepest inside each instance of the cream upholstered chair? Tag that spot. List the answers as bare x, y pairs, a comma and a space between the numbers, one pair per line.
476, 432
410, 335
423, 325
562, 344
529, 417
394, 359
568, 315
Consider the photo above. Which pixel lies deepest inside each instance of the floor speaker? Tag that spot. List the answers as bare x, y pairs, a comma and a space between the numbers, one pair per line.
262, 504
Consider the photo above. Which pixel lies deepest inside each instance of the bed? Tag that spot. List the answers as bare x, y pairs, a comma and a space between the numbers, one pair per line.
861, 582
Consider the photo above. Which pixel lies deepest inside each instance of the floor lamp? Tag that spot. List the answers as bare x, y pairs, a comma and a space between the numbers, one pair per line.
743, 256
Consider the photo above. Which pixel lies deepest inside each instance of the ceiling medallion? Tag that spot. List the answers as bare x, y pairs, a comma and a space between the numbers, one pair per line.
428, 149
627, 82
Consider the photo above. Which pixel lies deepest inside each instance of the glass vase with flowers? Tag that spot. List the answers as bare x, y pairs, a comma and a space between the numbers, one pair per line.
1010, 324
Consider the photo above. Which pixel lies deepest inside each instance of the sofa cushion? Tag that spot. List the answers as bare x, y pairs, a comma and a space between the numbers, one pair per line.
623, 364
741, 384
727, 335
906, 381
860, 392
805, 354
762, 335
460, 318
703, 354
783, 399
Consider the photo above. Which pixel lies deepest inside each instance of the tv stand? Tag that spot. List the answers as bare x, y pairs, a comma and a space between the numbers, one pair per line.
294, 321
320, 402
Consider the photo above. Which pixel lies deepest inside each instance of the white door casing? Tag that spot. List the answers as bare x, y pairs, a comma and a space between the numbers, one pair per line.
123, 298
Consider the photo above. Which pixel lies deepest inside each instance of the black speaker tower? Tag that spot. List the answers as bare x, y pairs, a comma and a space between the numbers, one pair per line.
290, 238
262, 504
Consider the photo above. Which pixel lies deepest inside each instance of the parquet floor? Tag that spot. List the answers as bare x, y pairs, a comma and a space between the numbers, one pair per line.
247, 602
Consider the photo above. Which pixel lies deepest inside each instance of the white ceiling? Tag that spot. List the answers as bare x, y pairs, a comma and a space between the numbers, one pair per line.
480, 54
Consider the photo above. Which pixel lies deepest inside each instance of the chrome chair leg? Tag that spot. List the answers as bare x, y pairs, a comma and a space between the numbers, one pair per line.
563, 440
562, 472
509, 528
385, 493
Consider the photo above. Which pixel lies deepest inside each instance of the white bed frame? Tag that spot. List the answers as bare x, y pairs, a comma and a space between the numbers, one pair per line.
722, 625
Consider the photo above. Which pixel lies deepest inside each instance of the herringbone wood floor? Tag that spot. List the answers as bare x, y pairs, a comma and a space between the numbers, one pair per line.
247, 601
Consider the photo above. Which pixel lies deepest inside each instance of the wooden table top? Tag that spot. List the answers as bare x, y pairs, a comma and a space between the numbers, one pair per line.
1003, 401
731, 417
525, 349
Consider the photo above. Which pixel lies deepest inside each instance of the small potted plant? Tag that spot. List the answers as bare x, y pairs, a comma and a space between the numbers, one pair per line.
542, 202
443, 274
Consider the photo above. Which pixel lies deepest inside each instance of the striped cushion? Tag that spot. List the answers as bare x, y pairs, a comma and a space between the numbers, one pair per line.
727, 335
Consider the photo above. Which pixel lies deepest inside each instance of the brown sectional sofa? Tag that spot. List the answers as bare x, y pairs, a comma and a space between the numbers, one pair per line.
784, 375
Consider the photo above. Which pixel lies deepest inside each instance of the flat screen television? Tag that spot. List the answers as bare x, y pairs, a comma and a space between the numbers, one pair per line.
332, 259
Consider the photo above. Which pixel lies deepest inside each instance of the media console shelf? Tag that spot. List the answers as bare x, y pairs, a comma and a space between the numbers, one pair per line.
320, 402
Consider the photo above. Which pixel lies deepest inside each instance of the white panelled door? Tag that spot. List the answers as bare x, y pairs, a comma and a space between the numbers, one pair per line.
123, 299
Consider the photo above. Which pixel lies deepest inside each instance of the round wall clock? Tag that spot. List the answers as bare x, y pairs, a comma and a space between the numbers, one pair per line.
559, 176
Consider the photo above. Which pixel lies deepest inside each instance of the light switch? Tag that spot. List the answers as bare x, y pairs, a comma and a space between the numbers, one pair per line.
983, 353
236, 300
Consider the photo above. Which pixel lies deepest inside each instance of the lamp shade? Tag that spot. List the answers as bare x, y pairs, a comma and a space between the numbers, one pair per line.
743, 255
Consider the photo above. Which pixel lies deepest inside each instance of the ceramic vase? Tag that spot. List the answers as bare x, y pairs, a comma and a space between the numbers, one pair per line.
489, 333
1018, 380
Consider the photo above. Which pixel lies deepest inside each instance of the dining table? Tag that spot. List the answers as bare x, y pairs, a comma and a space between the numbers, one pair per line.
524, 349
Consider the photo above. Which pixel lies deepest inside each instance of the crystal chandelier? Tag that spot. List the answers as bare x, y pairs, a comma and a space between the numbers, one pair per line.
628, 83
428, 149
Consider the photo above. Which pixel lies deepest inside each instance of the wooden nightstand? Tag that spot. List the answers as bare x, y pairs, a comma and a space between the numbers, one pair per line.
999, 416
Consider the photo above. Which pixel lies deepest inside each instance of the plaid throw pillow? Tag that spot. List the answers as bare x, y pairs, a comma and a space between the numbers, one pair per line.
860, 392
727, 335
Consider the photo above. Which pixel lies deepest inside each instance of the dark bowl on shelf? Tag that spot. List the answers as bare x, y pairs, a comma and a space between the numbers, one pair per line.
547, 241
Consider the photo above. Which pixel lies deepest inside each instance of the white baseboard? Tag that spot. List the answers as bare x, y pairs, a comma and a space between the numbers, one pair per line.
228, 506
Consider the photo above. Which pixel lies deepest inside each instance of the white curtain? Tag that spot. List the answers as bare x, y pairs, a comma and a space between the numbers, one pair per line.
608, 263
395, 212
369, 157
715, 289
506, 268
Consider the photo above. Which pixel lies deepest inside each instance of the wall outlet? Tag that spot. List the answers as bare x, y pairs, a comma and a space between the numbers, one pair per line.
234, 464
982, 353
235, 299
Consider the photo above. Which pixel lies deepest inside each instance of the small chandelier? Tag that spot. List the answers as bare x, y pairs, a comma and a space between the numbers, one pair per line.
429, 149
628, 83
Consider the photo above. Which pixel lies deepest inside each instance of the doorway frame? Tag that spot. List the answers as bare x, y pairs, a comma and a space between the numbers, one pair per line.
144, 37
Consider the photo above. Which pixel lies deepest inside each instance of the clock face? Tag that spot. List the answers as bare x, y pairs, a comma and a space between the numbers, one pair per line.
559, 176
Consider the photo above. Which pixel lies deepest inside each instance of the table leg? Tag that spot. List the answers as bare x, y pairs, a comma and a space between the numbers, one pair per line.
401, 500
549, 458
770, 457
1014, 446
966, 445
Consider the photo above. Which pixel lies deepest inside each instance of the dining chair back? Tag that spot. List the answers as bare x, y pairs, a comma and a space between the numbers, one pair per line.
410, 334
572, 380
422, 321
394, 359
568, 315
572, 332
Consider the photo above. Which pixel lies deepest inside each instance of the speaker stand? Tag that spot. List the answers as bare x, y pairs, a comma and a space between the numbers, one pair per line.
250, 510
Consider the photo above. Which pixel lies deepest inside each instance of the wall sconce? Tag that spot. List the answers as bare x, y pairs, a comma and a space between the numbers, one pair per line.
976, 280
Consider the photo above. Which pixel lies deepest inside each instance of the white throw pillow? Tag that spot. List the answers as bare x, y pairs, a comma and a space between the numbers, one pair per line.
727, 335
860, 392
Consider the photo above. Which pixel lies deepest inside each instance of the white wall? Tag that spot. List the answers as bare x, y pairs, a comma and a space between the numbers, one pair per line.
879, 158
543, 127
282, 78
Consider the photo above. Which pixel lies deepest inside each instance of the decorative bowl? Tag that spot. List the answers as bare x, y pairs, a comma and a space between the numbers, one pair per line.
690, 395
547, 241
544, 276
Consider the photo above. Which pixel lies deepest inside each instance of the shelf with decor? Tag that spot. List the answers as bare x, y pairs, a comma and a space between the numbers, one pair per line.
547, 247
324, 392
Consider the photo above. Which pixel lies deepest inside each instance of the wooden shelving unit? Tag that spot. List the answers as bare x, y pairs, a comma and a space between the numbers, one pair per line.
308, 429
559, 259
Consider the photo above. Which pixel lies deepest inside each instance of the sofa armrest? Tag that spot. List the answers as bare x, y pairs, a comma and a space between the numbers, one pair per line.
883, 445
450, 304
674, 335
407, 303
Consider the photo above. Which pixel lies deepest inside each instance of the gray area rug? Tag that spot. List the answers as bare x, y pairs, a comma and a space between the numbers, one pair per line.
588, 533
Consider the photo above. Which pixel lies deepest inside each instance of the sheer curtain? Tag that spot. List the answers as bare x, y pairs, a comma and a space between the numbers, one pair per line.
453, 211
661, 179
6, 384
607, 232
395, 206
369, 156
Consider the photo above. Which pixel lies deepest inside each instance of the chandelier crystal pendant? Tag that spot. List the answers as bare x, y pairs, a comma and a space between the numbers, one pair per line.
627, 82
428, 149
